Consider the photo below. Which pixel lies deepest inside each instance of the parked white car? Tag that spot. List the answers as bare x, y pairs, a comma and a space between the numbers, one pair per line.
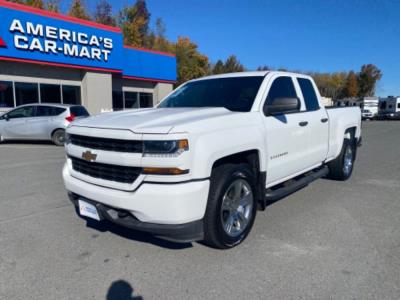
198, 166
39, 122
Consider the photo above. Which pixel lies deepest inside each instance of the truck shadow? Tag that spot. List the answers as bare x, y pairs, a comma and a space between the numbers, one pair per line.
121, 290
106, 226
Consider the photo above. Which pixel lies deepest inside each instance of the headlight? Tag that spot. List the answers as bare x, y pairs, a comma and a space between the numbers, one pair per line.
165, 148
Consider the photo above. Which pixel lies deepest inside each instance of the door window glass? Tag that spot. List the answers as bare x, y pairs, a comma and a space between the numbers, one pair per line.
50, 93
22, 112
310, 98
6, 94
26, 93
48, 111
282, 87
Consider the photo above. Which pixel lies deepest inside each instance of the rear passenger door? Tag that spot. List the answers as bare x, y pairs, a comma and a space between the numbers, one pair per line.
41, 126
317, 123
286, 136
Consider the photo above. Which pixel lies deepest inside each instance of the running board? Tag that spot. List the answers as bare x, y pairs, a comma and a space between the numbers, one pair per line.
294, 185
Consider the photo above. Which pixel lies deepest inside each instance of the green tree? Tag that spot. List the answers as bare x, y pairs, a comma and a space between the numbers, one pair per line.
134, 23
53, 5
263, 68
367, 80
218, 68
190, 62
232, 64
350, 89
35, 3
78, 10
103, 13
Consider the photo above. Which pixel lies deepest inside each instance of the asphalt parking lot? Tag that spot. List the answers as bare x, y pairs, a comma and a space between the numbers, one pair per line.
331, 240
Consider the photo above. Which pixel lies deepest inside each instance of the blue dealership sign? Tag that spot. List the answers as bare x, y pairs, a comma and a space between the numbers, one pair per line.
33, 35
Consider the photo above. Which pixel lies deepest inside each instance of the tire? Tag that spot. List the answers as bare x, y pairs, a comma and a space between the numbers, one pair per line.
58, 137
341, 168
231, 206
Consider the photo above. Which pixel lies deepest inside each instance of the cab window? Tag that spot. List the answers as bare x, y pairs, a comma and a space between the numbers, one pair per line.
309, 95
22, 112
282, 87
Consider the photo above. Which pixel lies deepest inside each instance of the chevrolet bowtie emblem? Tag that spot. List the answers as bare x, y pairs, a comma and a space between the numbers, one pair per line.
89, 156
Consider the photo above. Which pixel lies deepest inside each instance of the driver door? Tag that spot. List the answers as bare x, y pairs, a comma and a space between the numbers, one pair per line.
286, 134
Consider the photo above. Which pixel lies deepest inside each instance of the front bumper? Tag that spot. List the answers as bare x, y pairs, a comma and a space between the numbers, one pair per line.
171, 210
188, 232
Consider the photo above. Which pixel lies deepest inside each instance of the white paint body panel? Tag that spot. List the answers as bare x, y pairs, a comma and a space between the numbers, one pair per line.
213, 133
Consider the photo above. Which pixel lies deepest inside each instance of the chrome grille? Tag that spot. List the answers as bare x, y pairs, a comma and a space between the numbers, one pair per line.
107, 144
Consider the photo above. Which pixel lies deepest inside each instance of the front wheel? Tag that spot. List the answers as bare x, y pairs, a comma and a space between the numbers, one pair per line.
231, 207
58, 137
341, 168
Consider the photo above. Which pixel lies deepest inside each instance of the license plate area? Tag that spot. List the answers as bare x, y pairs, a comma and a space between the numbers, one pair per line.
88, 210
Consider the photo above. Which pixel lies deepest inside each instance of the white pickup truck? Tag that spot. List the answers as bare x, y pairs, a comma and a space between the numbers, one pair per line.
213, 152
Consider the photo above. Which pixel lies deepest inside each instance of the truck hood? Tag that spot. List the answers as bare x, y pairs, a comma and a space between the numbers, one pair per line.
151, 120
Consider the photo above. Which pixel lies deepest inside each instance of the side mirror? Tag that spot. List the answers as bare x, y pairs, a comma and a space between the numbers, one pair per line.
280, 106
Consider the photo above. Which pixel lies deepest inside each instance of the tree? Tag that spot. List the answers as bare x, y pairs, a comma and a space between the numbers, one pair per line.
232, 64
350, 89
103, 13
190, 62
367, 80
134, 23
263, 68
218, 68
35, 3
78, 10
53, 5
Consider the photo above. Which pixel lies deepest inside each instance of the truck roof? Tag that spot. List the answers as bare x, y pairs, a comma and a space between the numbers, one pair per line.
248, 74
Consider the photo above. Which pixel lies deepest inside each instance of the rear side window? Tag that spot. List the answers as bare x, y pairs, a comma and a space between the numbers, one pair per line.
282, 87
79, 111
309, 95
48, 111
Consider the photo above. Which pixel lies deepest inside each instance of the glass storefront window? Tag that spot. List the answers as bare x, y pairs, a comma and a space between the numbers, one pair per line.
50, 93
146, 100
131, 100
117, 99
6, 94
26, 93
71, 94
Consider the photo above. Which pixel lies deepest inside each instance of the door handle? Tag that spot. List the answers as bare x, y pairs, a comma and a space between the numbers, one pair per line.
303, 123
324, 120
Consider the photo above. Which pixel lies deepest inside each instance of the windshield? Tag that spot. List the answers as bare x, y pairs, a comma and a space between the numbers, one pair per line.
235, 93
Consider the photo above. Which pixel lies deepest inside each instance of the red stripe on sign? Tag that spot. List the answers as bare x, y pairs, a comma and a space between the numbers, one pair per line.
2, 43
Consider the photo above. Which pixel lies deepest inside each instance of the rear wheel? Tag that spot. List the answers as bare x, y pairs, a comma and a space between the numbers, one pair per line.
231, 206
342, 167
58, 137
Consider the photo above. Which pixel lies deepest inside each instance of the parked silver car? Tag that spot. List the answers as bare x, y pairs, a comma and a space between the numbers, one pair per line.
39, 122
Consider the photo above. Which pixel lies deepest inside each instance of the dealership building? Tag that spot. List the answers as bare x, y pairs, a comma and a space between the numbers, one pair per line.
47, 57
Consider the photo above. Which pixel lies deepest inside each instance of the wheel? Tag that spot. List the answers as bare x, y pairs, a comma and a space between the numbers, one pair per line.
342, 167
231, 206
58, 137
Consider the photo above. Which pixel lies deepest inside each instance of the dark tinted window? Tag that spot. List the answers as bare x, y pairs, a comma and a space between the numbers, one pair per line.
117, 100
79, 111
236, 93
146, 100
6, 94
26, 93
71, 94
50, 93
48, 111
131, 100
309, 95
22, 112
282, 87
398, 105
383, 105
